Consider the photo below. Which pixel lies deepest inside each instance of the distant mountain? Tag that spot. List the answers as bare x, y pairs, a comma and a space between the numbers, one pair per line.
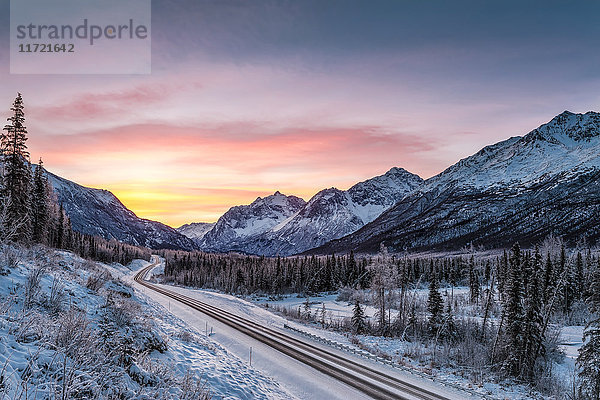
196, 230
99, 212
242, 225
330, 214
520, 189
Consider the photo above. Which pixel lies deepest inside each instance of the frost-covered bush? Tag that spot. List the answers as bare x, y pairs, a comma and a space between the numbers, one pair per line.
124, 311
152, 341
32, 285
9, 259
120, 288
97, 279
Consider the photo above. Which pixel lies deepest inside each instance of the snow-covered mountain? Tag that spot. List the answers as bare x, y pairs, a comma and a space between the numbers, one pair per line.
241, 225
330, 214
196, 230
99, 212
523, 188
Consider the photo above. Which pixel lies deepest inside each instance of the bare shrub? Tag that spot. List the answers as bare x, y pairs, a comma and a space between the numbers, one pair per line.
73, 332
97, 279
186, 336
32, 285
124, 312
7, 303
28, 326
9, 258
193, 388
118, 287
56, 298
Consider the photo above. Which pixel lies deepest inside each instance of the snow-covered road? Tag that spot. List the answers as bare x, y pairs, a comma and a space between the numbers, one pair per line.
298, 378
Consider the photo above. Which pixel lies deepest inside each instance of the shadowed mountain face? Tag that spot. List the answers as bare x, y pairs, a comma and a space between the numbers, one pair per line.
521, 189
285, 225
99, 212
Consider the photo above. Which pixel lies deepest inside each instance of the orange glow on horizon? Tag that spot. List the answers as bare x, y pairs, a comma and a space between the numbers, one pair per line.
178, 175
176, 209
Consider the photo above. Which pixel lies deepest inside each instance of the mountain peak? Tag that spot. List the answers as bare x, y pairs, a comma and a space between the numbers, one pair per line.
568, 126
396, 170
241, 224
565, 114
274, 199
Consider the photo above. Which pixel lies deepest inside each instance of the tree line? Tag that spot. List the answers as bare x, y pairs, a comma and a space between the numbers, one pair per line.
29, 209
520, 297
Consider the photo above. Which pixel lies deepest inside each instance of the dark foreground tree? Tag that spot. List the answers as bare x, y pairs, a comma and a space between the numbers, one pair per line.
16, 177
513, 308
435, 306
40, 205
589, 354
359, 323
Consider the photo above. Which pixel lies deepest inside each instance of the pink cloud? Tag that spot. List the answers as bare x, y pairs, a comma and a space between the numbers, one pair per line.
111, 103
244, 146
180, 174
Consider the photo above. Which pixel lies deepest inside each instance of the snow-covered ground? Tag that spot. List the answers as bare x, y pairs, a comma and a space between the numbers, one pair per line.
198, 346
298, 380
301, 380
228, 376
256, 310
30, 353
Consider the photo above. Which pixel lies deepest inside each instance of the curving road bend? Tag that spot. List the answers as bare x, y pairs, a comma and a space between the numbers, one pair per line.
373, 383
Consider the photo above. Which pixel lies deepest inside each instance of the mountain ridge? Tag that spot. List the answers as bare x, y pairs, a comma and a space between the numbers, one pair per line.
244, 223
329, 214
475, 200
100, 212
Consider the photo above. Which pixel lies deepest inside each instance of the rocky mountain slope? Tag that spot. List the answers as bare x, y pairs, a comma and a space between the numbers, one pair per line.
330, 214
521, 189
195, 230
99, 212
245, 224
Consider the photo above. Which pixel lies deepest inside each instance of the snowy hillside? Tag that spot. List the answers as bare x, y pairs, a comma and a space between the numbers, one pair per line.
99, 212
330, 214
567, 145
523, 188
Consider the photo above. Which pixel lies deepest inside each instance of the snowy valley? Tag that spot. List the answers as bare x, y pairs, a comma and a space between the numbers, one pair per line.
475, 283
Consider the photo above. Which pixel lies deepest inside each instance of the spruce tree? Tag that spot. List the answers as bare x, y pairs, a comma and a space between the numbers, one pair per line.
474, 287
589, 354
323, 315
16, 188
548, 285
435, 306
60, 229
579, 277
359, 324
307, 314
449, 324
383, 279
514, 314
533, 322
40, 203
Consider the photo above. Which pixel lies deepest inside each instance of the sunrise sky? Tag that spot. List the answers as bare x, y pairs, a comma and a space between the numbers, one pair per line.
249, 97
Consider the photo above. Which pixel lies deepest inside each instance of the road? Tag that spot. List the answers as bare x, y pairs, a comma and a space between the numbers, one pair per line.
372, 382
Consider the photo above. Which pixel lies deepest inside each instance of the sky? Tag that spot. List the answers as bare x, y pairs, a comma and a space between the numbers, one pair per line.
249, 97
